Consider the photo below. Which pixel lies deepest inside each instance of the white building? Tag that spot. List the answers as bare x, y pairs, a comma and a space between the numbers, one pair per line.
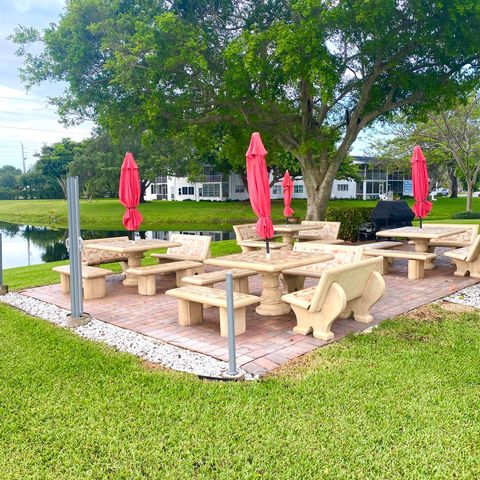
217, 186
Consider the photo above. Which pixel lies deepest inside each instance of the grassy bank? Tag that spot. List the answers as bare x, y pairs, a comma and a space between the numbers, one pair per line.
401, 402
107, 214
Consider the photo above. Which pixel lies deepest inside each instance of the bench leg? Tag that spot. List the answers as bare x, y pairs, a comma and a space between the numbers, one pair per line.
147, 285
320, 322
94, 288
186, 273
416, 269
386, 265
462, 268
474, 268
294, 283
240, 285
189, 313
240, 321
372, 293
65, 282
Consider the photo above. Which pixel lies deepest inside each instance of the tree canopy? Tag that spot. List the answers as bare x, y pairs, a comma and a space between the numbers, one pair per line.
308, 74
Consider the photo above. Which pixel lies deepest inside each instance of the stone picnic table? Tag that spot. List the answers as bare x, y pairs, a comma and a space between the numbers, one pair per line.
421, 237
288, 232
134, 250
271, 303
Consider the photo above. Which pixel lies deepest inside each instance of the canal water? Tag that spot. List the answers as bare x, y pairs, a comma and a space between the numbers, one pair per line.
25, 245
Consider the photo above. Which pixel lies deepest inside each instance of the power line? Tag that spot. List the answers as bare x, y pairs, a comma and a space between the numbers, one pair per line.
29, 114
22, 99
41, 130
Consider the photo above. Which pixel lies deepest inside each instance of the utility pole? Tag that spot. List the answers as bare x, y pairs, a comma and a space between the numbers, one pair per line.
23, 159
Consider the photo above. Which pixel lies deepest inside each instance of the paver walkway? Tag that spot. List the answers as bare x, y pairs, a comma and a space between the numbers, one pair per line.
268, 341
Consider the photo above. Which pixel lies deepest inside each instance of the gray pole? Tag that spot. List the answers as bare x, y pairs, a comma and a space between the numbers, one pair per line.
232, 372
74, 248
3, 288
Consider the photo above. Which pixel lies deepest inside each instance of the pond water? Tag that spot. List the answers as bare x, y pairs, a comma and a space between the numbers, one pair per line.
27, 245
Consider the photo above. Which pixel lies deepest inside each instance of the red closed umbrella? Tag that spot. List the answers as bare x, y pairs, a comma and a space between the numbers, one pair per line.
259, 187
420, 184
129, 192
287, 185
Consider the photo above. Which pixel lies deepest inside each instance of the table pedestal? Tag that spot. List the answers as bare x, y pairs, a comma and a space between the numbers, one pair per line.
287, 238
134, 260
422, 245
271, 303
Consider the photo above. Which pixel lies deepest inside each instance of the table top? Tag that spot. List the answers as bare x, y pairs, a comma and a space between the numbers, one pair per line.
425, 232
293, 228
279, 260
130, 246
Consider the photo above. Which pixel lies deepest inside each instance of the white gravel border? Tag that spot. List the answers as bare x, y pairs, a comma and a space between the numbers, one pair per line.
468, 296
154, 351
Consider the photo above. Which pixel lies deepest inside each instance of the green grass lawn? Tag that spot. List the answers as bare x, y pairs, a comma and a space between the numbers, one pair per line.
107, 213
401, 402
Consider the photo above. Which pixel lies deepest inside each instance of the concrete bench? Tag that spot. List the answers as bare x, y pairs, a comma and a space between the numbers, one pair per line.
328, 234
240, 279
248, 240
383, 245
459, 240
194, 247
341, 291
192, 297
93, 280
416, 260
344, 254
147, 275
467, 259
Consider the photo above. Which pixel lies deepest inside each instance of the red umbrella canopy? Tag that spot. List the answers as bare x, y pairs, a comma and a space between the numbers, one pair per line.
287, 185
420, 183
129, 192
259, 186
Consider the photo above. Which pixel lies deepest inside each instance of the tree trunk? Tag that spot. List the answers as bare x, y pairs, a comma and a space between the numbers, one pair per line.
469, 196
143, 188
318, 187
453, 183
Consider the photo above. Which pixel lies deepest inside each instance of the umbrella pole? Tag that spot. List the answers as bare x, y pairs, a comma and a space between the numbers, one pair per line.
420, 222
267, 241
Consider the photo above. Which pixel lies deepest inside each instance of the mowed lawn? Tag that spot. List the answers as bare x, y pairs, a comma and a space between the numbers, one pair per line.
401, 402
107, 213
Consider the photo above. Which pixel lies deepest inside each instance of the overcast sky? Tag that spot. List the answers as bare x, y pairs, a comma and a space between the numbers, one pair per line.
26, 117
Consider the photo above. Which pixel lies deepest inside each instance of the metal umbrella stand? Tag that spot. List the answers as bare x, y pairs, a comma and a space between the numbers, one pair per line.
3, 288
74, 246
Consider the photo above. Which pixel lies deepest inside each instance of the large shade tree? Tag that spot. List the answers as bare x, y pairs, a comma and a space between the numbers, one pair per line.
309, 74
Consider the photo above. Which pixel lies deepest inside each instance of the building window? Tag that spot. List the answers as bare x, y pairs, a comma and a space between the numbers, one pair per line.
211, 190
239, 189
276, 189
186, 191
298, 189
342, 187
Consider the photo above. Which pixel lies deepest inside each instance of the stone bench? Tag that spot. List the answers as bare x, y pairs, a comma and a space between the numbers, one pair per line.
383, 245
248, 240
93, 257
416, 260
192, 297
240, 279
327, 234
251, 245
147, 275
341, 291
458, 240
294, 278
467, 259
193, 247
93, 280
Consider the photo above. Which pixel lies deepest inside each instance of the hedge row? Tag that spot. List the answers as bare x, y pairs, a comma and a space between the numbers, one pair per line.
351, 218
466, 215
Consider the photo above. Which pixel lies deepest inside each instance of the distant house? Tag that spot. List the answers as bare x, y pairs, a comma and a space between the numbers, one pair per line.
217, 186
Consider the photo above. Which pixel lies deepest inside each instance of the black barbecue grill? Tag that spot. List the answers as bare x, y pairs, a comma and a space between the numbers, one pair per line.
386, 215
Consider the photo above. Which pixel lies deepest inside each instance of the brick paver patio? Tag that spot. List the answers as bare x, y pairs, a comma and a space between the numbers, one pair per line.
269, 341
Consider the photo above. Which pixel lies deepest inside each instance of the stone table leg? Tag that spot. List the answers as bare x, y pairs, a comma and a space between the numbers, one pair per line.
271, 303
288, 239
422, 245
134, 260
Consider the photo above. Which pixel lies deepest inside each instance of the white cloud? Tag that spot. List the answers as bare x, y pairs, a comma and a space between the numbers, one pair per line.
25, 6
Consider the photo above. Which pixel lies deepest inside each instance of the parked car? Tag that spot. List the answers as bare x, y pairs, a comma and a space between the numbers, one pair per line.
440, 191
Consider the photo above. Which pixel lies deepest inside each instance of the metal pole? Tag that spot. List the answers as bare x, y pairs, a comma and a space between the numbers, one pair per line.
3, 288
74, 248
232, 360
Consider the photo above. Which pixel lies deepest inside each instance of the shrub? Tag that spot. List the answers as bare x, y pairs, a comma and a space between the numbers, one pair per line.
466, 215
350, 218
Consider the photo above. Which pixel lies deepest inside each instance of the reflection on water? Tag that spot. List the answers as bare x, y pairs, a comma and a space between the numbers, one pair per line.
27, 245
